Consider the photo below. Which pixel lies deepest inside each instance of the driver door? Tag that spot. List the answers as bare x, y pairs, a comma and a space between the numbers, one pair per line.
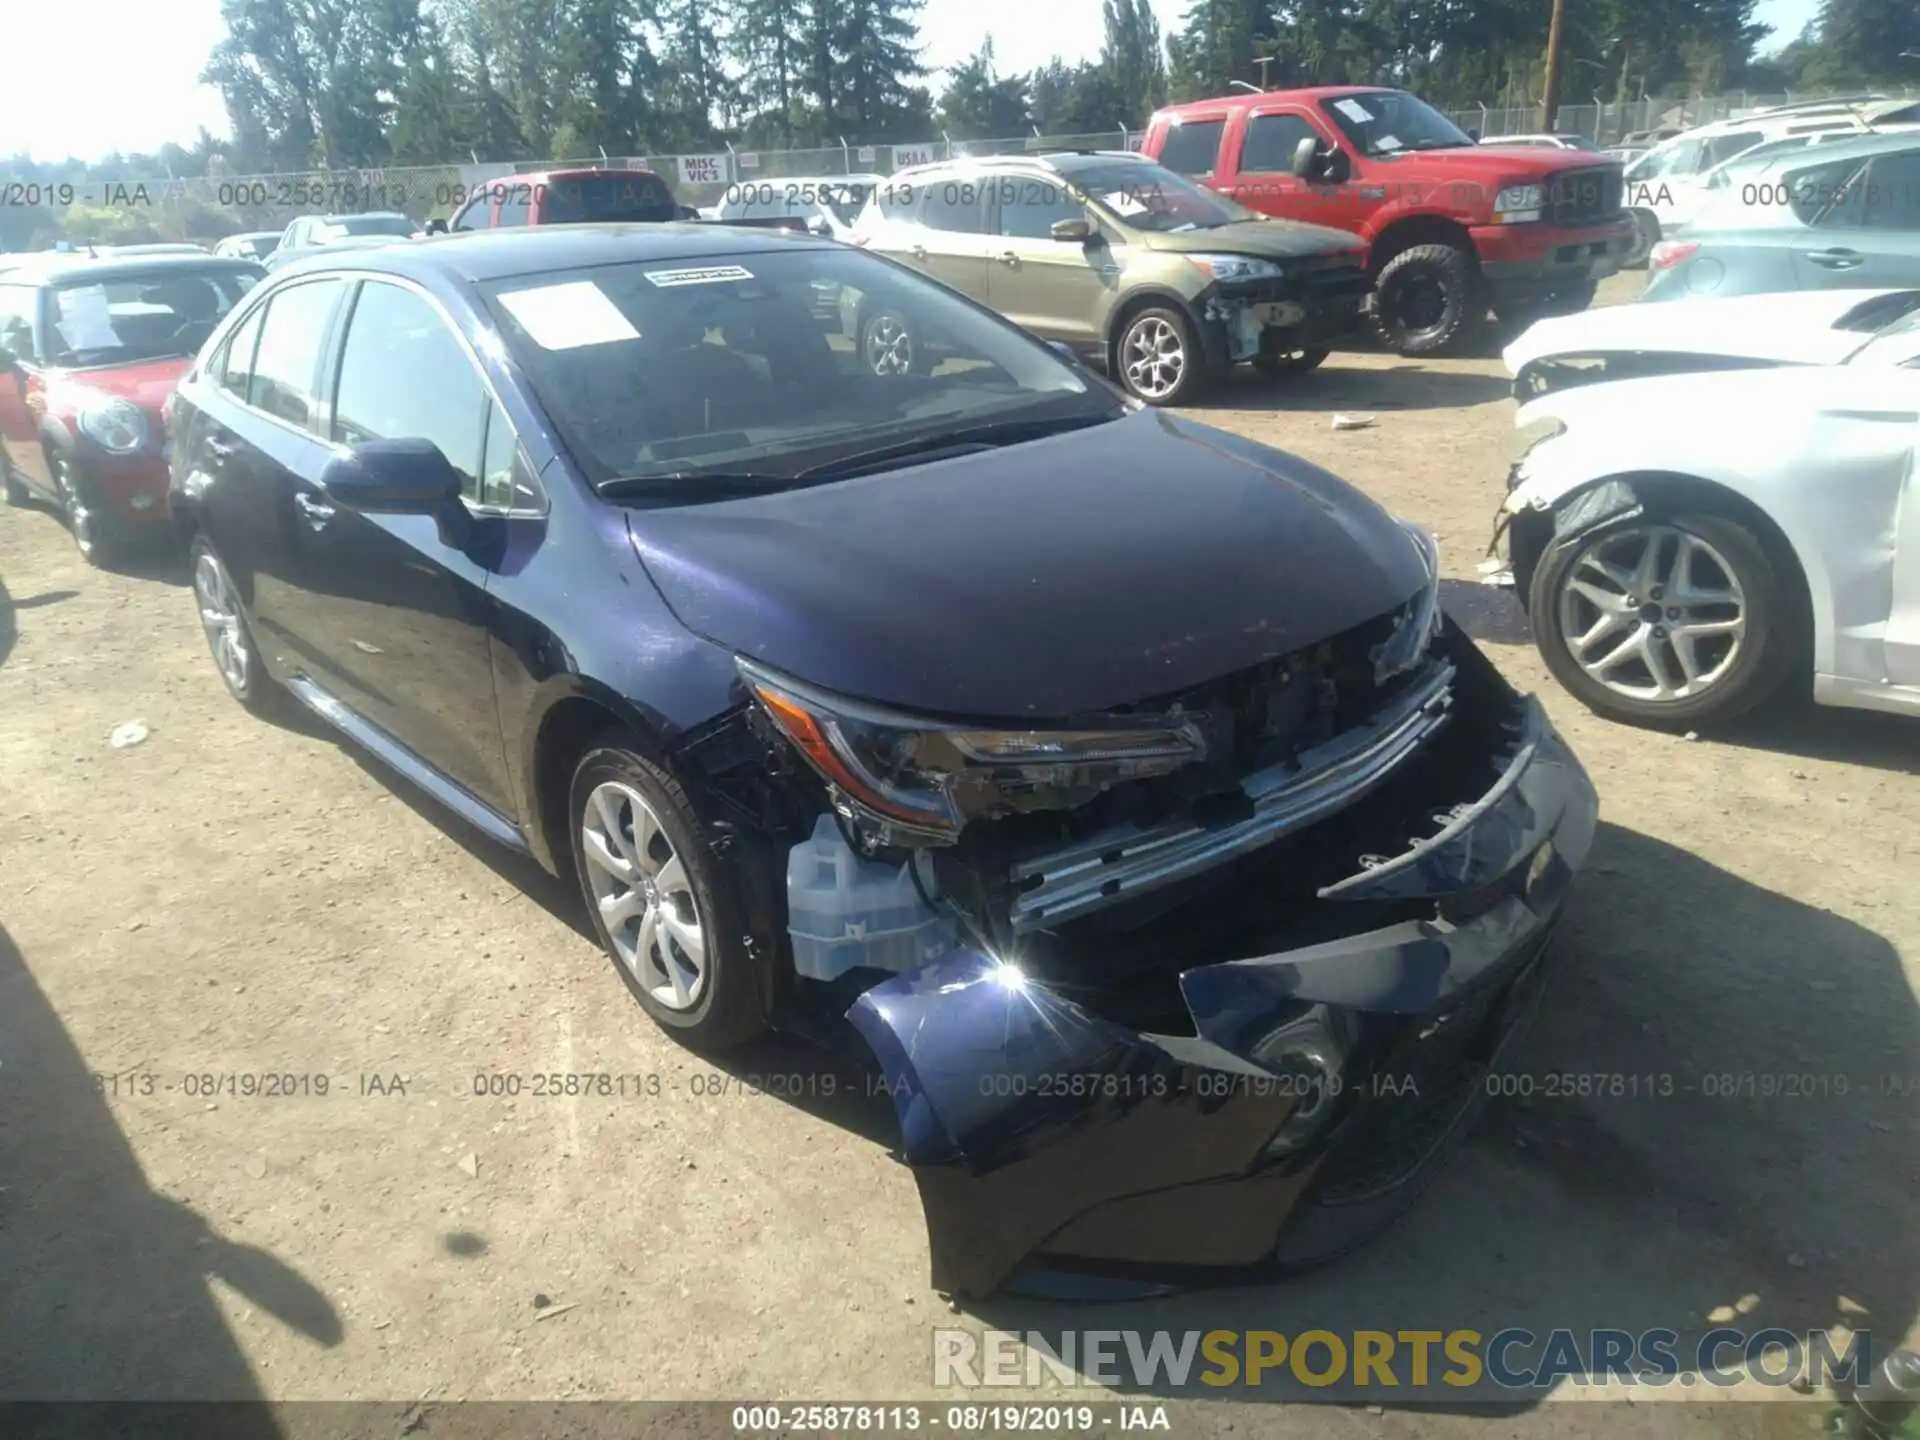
21, 399
1057, 289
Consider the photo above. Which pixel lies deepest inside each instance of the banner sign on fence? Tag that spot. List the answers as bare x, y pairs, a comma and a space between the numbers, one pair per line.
372, 179
750, 160
905, 155
867, 155
638, 162
703, 169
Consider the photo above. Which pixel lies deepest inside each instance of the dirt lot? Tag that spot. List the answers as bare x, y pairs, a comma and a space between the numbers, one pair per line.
231, 898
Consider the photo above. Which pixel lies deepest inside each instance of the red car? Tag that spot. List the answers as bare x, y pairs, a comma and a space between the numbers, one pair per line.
90, 350
1454, 228
566, 197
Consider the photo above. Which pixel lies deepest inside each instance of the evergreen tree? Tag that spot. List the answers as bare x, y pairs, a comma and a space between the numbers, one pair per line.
979, 104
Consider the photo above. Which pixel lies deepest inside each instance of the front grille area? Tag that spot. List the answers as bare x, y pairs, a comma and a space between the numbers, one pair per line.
1580, 196
1312, 281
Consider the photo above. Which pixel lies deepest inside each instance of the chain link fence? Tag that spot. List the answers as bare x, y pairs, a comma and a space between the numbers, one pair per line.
205, 209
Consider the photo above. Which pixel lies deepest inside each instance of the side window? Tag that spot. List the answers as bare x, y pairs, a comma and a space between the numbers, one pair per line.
236, 361
502, 483
405, 376
473, 215
956, 205
1725, 147
1829, 195
1892, 199
1193, 148
513, 204
1029, 208
17, 304
286, 362
1271, 141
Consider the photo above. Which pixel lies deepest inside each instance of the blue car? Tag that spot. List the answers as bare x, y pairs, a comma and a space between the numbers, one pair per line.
1113, 784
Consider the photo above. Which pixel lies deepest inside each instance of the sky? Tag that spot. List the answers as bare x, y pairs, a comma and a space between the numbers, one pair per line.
142, 89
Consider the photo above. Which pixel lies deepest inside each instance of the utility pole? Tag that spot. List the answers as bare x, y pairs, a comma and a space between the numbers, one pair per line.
1550, 99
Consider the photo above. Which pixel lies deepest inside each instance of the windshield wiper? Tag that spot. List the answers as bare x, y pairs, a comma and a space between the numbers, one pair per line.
946, 442
694, 485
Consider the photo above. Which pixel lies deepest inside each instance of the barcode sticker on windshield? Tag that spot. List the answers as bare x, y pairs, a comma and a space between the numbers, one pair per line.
566, 317
705, 275
1353, 110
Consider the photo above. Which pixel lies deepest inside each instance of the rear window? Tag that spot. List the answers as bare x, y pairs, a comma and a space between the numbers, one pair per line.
1192, 148
639, 196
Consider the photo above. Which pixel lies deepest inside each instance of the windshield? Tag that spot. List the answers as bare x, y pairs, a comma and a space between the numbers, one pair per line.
370, 225
122, 321
640, 197
1392, 122
1152, 197
672, 370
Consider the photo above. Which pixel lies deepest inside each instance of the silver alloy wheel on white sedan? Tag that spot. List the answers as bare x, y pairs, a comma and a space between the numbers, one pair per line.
644, 895
1653, 613
220, 618
889, 345
1153, 356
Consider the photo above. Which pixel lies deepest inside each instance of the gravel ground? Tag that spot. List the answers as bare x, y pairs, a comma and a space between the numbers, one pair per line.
234, 898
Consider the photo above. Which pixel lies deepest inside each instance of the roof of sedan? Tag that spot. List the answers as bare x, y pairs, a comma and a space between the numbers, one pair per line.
1860, 147
481, 255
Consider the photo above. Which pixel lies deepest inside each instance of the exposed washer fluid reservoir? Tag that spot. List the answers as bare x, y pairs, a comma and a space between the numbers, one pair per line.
845, 912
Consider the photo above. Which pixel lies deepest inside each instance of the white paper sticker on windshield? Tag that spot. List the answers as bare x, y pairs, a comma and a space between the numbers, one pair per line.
86, 321
705, 275
1387, 142
1122, 203
566, 317
1353, 110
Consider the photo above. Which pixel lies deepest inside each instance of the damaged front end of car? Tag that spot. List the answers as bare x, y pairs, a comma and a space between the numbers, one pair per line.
1216, 978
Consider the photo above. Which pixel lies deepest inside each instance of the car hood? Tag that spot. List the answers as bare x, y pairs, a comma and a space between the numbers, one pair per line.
147, 385
1491, 163
1056, 578
1792, 328
1276, 239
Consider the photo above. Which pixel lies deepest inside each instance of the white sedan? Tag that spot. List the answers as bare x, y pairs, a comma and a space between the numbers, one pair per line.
1722, 497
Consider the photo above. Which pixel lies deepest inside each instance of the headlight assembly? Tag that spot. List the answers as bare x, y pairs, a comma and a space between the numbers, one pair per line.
1237, 267
117, 426
927, 778
1519, 204
1420, 623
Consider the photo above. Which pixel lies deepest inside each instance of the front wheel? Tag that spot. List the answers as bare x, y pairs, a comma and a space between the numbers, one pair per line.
1427, 298
1158, 357
661, 900
1669, 622
78, 504
235, 655
1278, 363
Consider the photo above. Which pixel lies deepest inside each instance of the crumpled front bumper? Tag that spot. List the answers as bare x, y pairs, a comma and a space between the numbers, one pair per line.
1051, 1143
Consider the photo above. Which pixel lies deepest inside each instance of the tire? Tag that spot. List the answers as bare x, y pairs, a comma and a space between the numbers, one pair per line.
1426, 299
236, 656
1518, 315
888, 345
1157, 357
641, 818
80, 509
1289, 362
1735, 667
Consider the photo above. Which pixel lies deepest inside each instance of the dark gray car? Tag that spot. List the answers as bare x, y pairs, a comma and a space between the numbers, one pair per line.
1842, 215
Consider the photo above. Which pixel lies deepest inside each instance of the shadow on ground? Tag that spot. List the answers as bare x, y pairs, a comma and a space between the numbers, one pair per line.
1764, 1160
1402, 385
106, 1290
1797, 726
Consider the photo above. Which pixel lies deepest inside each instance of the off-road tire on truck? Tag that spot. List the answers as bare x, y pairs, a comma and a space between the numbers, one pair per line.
1519, 314
1426, 299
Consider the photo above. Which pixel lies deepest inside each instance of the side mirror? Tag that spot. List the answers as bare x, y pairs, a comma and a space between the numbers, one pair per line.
392, 477
436, 226
1304, 154
1474, 136
820, 225
1076, 232
685, 212
1336, 169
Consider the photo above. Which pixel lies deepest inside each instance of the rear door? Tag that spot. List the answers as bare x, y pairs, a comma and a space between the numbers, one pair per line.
1058, 289
951, 243
397, 603
1869, 237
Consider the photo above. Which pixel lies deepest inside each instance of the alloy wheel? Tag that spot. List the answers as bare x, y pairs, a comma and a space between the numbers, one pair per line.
79, 517
1154, 358
889, 345
640, 885
1653, 613
220, 618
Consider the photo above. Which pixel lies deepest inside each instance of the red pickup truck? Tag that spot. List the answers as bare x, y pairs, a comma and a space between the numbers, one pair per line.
1453, 227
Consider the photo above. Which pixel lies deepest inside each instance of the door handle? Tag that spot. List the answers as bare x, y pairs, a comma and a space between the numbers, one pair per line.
317, 515
919, 252
1010, 259
218, 449
1835, 259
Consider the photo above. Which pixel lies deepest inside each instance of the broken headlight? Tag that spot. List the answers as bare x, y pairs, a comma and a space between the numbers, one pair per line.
927, 778
1420, 621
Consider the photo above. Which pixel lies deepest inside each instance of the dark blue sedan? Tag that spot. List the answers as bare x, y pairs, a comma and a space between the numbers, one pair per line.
1184, 870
